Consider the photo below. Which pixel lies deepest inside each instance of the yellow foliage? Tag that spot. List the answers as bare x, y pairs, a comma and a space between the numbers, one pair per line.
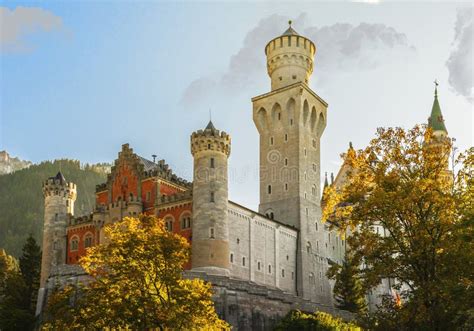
137, 283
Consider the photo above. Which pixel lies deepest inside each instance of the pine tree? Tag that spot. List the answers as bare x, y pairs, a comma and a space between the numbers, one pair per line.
30, 266
348, 289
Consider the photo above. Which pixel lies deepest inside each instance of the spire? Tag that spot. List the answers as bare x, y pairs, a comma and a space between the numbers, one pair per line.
326, 184
290, 31
332, 178
436, 121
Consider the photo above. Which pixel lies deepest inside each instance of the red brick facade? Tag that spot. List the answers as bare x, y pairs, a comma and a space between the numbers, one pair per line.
127, 182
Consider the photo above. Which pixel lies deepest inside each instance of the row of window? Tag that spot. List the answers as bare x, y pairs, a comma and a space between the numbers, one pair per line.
260, 266
313, 142
88, 241
313, 189
185, 222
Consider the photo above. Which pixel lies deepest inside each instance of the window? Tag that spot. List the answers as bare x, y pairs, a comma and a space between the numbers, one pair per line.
208, 146
289, 40
313, 190
292, 275
231, 257
291, 121
286, 186
314, 143
148, 196
212, 197
258, 265
286, 162
271, 140
283, 273
316, 225
243, 261
74, 244
269, 268
211, 233
305, 152
269, 189
88, 241
271, 215
286, 137
186, 221
56, 216
314, 166
308, 247
287, 257
238, 241
317, 246
169, 224
279, 116
212, 162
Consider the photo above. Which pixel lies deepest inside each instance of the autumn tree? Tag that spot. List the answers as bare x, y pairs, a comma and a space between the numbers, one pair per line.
348, 290
136, 281
401, 185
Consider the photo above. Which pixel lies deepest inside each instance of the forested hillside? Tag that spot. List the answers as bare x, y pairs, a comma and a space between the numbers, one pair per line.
21, 199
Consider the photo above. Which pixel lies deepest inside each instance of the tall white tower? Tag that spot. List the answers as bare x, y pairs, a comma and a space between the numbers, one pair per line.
290, 120
59, 198
210, 245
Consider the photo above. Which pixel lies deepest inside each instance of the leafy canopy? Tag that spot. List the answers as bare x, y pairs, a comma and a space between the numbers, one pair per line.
137, 282
401, 185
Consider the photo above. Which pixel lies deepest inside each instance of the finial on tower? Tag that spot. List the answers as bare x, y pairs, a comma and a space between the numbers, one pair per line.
350, 145
436, 87
289, 23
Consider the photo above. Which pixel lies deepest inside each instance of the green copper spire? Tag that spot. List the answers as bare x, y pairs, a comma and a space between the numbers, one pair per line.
436, 121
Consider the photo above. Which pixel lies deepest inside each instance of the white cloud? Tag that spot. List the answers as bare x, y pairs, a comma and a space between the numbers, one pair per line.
341, 47
23, 21
460, 61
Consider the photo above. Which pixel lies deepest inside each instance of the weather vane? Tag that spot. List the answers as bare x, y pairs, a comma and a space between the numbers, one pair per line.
289, 22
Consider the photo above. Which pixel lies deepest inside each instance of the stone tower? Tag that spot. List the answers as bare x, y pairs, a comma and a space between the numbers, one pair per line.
210, 244
290, 120
59, 197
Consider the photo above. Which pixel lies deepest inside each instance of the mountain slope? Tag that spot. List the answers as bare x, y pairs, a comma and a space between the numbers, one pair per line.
21, 199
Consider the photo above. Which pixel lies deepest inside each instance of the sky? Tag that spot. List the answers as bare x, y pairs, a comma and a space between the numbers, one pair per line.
79, 79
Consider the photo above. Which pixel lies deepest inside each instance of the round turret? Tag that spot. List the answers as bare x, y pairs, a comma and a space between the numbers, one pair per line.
289, 59
59, 198
210, 245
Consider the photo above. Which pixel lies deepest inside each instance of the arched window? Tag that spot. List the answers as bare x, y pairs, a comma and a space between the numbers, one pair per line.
88, 240
308, 247
169, 223
74, 243
186, 221
211, 233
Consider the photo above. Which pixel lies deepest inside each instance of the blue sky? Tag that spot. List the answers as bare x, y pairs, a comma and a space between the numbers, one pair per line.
79, 79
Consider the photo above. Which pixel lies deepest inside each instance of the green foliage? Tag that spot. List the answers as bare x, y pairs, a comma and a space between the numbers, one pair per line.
22, 202
348, 290
19, 287
30, 266
296, 320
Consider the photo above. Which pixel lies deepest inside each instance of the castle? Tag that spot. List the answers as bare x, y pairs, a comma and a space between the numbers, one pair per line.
261, 263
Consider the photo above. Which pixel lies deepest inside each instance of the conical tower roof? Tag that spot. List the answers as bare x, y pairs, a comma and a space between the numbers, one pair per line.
210, 126
59, 176
290, 31
436, 120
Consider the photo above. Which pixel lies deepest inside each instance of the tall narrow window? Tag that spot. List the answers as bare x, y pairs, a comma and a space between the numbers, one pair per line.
212, 162
286, 162
283, 273
269, 268
286, 186
243, 261
212, 197
271, 140
279, 116
208, 146
258, 265
211, 233
286, 137
231, 258
269, 189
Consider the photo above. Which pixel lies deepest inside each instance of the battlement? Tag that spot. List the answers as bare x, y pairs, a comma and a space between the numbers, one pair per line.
176, 197
81, 220
289, 59
210, 140
54, 186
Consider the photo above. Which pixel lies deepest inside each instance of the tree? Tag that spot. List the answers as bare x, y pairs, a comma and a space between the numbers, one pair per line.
30, 266
318, 321
15, 311
348, 290
400, 185
136, 281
